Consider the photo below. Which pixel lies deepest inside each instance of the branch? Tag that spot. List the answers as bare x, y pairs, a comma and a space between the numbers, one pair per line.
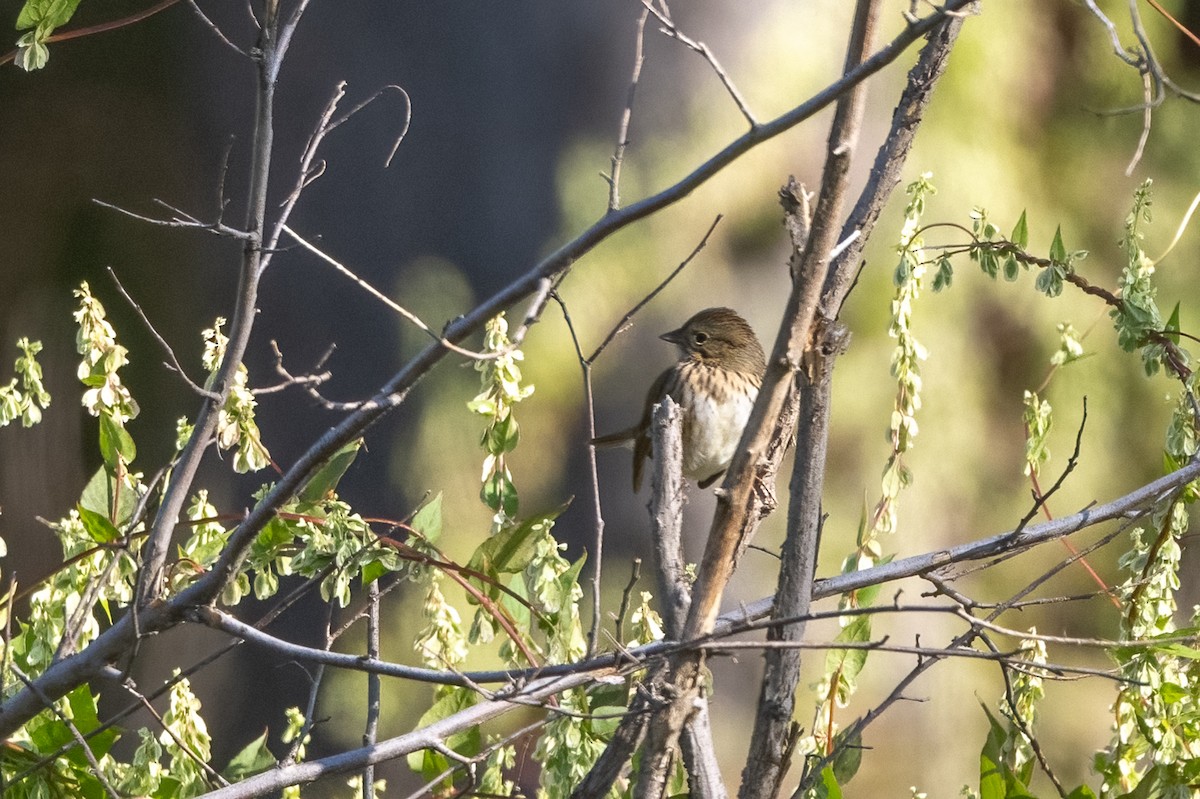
430, 737
154, 554
666, 521
373, 693
746, 494
766, 762
618, 157
666, 516
672, 30
162, 342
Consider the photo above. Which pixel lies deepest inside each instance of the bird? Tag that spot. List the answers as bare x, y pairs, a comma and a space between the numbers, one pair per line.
715, 383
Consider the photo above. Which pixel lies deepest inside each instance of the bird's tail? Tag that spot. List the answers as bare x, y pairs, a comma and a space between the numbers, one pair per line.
622, 438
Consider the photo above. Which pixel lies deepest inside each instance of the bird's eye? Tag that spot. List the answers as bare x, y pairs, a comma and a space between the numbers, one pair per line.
699, 337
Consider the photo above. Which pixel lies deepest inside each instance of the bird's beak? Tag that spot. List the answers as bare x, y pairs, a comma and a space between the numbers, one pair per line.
675, 337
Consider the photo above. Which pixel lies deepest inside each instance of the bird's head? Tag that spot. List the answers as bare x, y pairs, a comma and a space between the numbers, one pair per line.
718, 336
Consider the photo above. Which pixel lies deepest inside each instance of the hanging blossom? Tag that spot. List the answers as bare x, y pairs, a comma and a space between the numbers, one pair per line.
236, 427
96, 341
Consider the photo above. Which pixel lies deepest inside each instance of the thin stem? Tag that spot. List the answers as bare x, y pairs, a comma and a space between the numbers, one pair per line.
373, 701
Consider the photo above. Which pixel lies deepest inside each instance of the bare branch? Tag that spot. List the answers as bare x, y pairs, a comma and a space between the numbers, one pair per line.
429, 737
594, 480
621, 326
373, 691
666, 516
174, 364
180, 220
618, 157
212, 26
386, 300
672, 30
1118, 50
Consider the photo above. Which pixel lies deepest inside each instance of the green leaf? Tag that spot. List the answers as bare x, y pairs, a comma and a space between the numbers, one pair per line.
848, 758
511, 550
829, 787
46, 13
428, 520
428, 763
97, 525
115, 441
372, 571
866, 596
991, 769
849, 662
997, 780
1172, 693
31, 53
98, 497
253, 759
85, 718
1020, 234
1155, 784
324, 482
944, 275
48, 737
988, 262
1058, 251
499, 493
1012, 269
1082, 792
605, 727
1050, 281
503, 436
1172, 326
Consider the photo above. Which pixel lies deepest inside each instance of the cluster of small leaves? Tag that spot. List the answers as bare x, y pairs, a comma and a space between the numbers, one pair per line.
186, 740
442, 643
646, 623
501, 389
843, 666
1006, 762
906, 361
997, 255
989, 257
103, 357
1026, 691
29, 400
570, 744
100, 568
203, 546
1039, 419
39, 18
1138, 320
1070, 348
72, 774
1157, 710
236, 427
316, 534
521, 584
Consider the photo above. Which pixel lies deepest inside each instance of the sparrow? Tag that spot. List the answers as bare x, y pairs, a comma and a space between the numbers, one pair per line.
715, 383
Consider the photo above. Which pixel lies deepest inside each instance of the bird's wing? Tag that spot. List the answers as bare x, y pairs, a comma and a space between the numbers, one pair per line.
641, 444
